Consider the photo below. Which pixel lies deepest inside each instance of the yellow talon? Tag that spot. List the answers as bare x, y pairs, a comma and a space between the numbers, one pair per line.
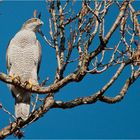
29, 84
12, 76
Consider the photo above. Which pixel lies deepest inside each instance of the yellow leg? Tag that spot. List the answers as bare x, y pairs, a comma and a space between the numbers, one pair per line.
30, 84
13, 77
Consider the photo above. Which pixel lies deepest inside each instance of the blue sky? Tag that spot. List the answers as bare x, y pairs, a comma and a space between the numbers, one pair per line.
100, 120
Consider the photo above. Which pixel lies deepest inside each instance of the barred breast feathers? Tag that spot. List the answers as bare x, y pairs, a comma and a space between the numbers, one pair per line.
24, 37
23, 53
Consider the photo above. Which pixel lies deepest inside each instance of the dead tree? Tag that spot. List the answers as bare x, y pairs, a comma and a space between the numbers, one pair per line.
76, 31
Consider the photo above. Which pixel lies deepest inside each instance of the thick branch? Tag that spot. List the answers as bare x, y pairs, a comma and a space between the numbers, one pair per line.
14, 126
136, 22
89, 21
123, 91
90, 99
117, 22
36, 88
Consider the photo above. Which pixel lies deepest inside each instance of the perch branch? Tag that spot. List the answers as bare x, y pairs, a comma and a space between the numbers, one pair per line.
14, 126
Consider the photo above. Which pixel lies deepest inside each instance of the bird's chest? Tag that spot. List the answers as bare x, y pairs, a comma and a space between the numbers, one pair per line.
24, 59
24, 55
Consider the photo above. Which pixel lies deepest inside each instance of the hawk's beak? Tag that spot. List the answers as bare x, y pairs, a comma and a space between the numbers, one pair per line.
41, 23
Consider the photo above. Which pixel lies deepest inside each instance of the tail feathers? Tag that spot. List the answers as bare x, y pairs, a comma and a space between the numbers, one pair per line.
22, 110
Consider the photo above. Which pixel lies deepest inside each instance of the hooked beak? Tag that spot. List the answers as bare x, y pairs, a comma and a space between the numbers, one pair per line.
41, 22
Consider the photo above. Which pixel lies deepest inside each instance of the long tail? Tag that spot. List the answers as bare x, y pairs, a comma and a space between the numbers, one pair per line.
22, 110
22, 103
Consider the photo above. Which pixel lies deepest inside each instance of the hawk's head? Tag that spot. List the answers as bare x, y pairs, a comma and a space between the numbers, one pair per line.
32, 24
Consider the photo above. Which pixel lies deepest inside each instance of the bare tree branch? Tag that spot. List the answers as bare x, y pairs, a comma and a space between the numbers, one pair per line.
78, 38
14, 126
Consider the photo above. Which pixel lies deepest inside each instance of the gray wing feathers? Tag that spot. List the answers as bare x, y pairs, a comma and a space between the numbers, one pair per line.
8, 64
22, 110
40, 55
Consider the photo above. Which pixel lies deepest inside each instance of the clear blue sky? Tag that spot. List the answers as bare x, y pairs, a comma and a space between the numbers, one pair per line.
100, 120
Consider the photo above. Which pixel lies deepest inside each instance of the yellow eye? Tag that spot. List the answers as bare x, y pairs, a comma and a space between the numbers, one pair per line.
34, 20
31, 21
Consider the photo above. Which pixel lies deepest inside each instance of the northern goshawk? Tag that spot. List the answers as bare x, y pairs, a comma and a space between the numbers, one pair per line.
23, 59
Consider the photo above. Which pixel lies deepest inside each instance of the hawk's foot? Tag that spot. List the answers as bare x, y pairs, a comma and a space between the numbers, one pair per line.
29, 84
14, 78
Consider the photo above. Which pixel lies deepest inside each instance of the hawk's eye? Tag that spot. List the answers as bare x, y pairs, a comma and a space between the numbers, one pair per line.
31, 21
34, 20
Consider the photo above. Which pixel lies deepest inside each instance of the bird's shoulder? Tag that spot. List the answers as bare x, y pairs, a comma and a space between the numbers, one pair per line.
23, 33
23, 37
